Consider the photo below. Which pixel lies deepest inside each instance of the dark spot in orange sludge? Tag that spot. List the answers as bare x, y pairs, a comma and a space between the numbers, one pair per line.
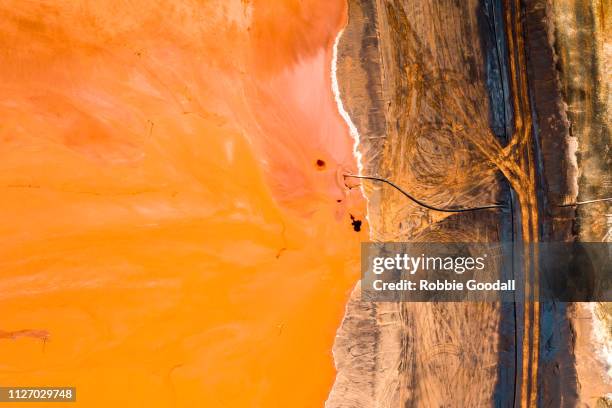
355, 223
320, 164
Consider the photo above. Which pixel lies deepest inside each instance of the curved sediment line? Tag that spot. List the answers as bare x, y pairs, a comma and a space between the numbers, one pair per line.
347, 118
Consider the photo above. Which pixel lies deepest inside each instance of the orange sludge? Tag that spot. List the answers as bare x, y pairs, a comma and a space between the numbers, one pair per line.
169, 236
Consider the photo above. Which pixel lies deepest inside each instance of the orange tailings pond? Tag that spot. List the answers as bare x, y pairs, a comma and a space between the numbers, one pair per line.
175, 230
